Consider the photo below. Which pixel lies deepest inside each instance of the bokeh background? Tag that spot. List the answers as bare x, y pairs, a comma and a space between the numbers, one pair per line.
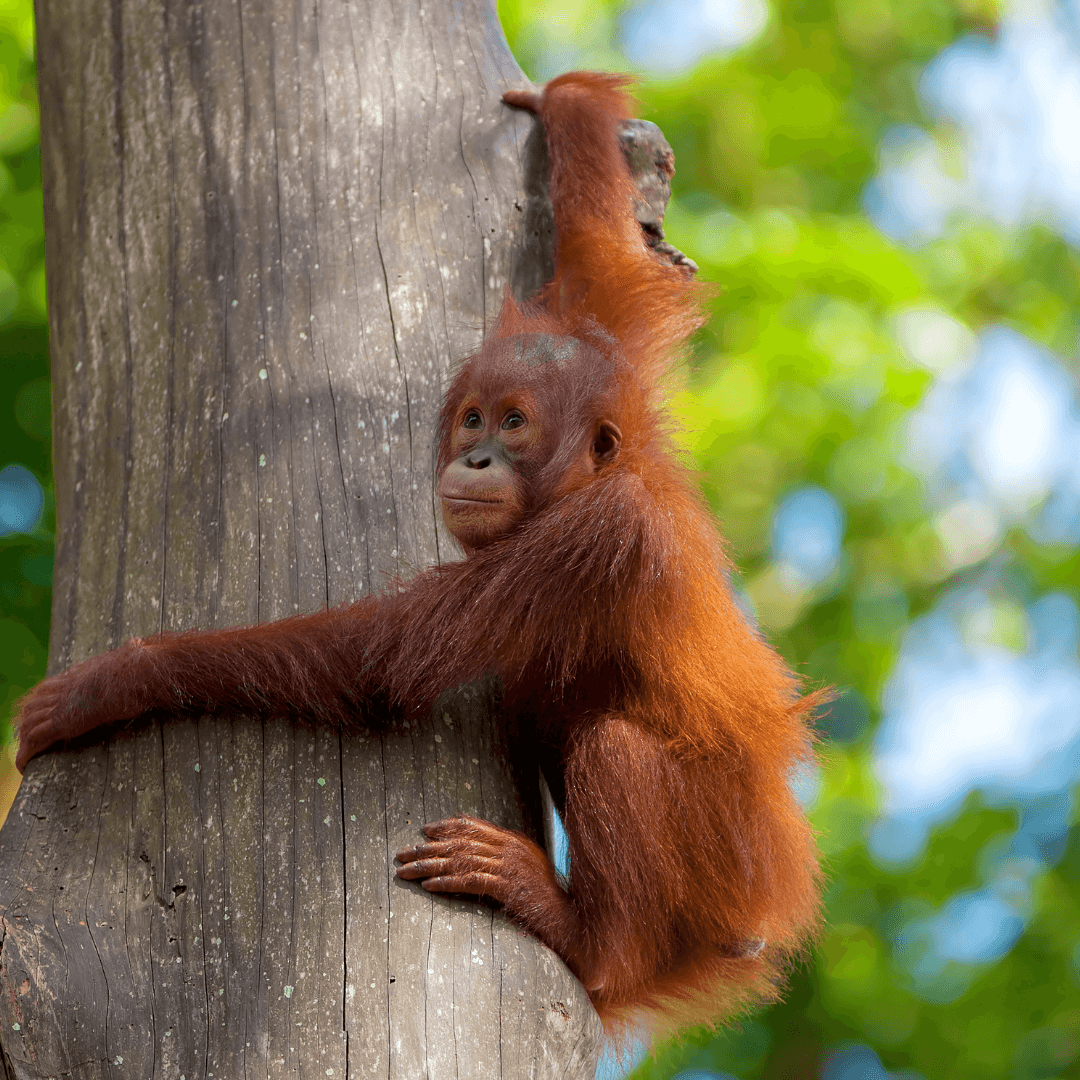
884, 412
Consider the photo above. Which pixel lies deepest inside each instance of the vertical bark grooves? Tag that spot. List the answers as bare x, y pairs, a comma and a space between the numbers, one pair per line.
271, 228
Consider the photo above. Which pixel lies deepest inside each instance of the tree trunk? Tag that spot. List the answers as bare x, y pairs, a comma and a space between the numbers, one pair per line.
271, 227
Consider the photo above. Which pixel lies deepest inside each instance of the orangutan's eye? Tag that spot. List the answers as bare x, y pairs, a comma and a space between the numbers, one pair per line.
513, 420
473, 421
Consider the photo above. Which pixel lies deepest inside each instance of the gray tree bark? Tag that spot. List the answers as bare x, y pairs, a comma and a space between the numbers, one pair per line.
271, 227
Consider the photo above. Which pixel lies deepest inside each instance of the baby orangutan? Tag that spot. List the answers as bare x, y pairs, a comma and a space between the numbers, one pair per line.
595, 587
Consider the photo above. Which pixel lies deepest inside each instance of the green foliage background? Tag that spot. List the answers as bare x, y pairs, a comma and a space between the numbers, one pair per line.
799, 380
774, 146
25, 426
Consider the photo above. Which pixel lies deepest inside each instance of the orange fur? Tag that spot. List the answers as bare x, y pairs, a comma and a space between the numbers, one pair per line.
607, 616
